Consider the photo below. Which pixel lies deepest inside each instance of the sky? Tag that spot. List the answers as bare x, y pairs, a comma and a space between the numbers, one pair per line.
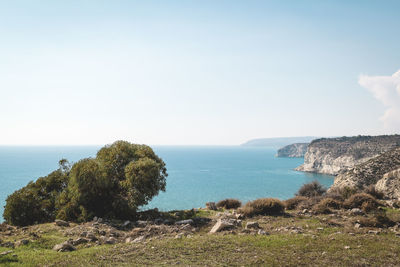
196, 72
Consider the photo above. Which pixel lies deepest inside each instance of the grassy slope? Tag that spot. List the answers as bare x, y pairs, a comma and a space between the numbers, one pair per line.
325, 247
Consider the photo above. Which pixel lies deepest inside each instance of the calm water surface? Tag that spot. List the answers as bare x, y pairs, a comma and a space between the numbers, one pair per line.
196, 174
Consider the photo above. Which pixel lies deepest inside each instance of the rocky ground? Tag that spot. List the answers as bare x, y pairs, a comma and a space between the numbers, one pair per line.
204, 237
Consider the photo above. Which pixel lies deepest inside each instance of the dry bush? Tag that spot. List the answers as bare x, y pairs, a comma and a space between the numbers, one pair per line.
293, 203
371, 190
326, 204
312, 189
229, 203
309, 203
342, 193
363, 201
378, 219
263, 206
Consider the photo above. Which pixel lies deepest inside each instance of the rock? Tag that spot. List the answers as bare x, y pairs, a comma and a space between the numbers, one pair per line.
347, 247
337, 155
211, 206
357, 225
83, 234
139, 239
356, 211
221, 225
320, 229
297, 150
79, 241
179, 236
61, 223
110, 240
6, 252
304, 211
373, 232
189, 221
126, 224
102, 233
91, 237
252, 225
382, 171
390, 184
22, 242
262, 232
142, 223
64, 247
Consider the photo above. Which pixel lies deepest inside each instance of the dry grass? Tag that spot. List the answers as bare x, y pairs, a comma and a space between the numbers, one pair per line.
363, 201
229, 203
263, 206
294, 202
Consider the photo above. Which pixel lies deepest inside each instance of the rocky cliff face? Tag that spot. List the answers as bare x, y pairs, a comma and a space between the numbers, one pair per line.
336, 155
382, 171
297, 150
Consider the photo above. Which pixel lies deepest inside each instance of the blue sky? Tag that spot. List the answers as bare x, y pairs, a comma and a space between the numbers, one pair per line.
194, 72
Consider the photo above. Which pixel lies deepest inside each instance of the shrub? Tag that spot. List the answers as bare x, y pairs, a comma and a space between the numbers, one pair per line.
325, 206
263, 206
309, 203
293, 203
311, 190
229, 203
36, 202
342, 193
378, 219
122, 177
371, 190
363, 201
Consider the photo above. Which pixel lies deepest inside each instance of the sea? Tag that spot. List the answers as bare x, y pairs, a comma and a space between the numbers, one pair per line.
196, 174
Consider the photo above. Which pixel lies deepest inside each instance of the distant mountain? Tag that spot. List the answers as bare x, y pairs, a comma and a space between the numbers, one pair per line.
279, 142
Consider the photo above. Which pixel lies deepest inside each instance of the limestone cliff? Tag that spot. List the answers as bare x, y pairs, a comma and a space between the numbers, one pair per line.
390, 184
297, 150
336, 155
382, 171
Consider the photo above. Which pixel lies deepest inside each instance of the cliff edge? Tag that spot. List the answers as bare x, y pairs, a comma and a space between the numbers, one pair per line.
297, 150
382, 171
336, 155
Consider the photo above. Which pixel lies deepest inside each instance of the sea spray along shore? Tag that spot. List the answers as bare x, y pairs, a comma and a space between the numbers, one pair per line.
340, 227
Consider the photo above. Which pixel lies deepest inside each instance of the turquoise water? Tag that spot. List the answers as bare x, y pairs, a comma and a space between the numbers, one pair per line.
196, 174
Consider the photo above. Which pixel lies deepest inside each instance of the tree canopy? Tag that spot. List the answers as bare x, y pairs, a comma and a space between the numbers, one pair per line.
122, 177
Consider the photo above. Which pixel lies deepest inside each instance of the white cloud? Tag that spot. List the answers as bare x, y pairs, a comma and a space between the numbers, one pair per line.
387, 90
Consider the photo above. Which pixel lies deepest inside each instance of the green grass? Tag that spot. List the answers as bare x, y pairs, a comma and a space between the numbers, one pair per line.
326, 247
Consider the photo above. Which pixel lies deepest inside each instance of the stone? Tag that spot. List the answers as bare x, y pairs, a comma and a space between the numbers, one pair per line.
142, 223
61, 223
139, 239
211, 206
79, 241
189, 221
347, 247
126, 224
357, 225
356, 211
221, 225
22, 242
262, 232
252, 225
91, 237
110, 241
6, 252
320, 229
64, 247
